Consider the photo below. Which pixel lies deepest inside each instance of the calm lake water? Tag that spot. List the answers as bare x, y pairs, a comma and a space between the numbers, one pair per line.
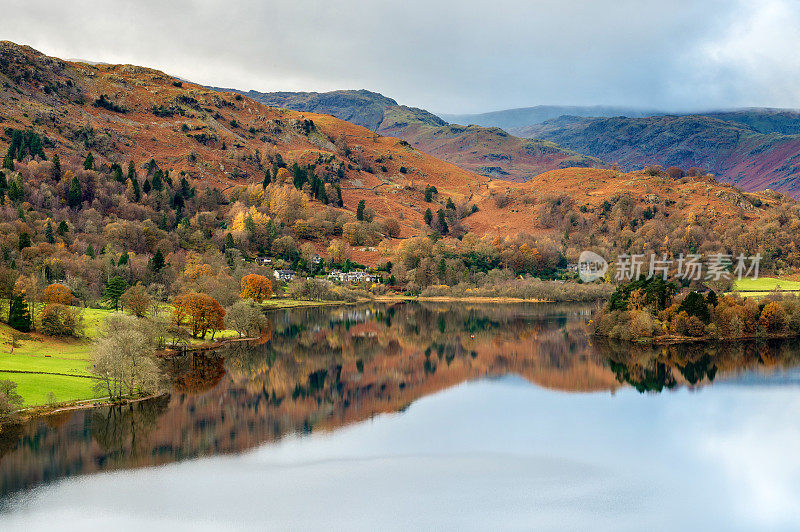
428, 416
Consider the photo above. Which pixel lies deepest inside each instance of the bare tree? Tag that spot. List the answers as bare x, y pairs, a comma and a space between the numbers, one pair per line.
247, 318
123, 359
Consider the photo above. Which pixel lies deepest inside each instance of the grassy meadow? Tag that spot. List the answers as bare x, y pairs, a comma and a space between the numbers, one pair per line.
763, 286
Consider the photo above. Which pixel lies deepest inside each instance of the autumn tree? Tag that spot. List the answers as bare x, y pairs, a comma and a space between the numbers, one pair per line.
200, 312
773, 317
57, 293
392, 227
255, 287
56, 319
136, 300
338, 251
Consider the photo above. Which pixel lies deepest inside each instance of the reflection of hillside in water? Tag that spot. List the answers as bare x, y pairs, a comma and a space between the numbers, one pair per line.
321, 368
654, 369
327, 367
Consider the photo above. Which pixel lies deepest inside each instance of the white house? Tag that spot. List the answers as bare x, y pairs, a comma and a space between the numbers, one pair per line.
284, 275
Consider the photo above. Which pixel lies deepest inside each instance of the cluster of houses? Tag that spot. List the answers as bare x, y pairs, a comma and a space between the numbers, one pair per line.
336, 276
353, 277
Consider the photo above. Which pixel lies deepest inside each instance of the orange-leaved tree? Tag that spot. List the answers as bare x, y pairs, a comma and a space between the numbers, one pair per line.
136, 300
256, 287
57, 293
201, 312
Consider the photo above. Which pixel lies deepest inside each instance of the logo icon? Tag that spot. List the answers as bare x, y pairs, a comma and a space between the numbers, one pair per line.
591, 266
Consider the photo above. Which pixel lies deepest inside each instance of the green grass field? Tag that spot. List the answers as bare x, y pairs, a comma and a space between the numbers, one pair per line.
35, 389
47, 355
765, 284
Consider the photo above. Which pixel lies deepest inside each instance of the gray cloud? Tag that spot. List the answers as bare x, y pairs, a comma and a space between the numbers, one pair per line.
447, 56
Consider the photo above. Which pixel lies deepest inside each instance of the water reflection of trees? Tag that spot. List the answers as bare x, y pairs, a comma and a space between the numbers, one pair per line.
327, 367
654, 369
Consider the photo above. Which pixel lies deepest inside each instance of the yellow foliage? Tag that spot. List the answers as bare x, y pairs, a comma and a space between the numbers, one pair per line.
259, 219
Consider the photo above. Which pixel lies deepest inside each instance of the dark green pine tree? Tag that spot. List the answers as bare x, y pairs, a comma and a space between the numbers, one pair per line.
137, 193
442, 222
113, 290
88, 163
267, 179
146, 186
157, 263
24, 241
339, 201
90, 251
74, 193
131, 171
48, 233
118, 177
123, 259
63, 228
229, 243
360, 210
15, 190
450, 205
3, 181
56, 168
19, 317
158, 181
186, 190
427, 217
8, 161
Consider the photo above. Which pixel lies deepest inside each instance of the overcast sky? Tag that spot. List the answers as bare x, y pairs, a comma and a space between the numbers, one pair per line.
446, 55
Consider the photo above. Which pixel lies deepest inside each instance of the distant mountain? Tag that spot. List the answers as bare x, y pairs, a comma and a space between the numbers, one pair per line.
489, 151
753, 149
762, 120
526, 116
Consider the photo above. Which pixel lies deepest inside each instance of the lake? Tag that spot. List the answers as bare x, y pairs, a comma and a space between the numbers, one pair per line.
462, 416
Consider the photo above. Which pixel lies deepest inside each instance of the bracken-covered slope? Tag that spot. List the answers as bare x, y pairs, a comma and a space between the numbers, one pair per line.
488, 151
753, 149
121, 113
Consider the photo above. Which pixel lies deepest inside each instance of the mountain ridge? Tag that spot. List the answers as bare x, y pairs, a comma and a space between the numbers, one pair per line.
488, 151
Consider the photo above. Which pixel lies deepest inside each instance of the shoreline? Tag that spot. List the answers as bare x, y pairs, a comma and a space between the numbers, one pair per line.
680, 340
469, 299
38, 411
